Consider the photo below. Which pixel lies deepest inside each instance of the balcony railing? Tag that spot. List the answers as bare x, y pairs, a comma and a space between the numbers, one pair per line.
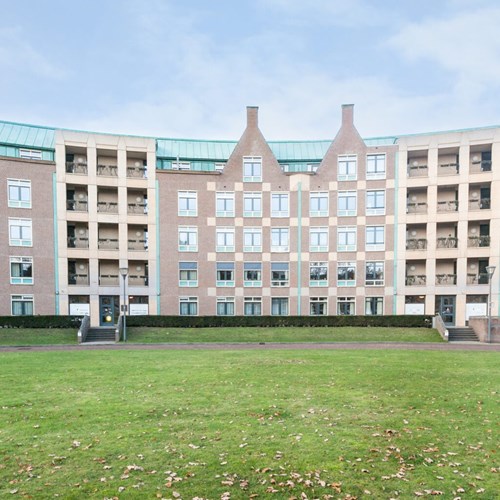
477, 279
480, 204
77, 205
446, 279
109, 280
449, 242
76, 168
449, 169
78, 279
137, 172
137, 208
416, 207
479, 241
416, 244
417, 170
138, 280
78, 242
110, 207
107, 243
416, 280
138, 244
447, 206
480, 166
107, 170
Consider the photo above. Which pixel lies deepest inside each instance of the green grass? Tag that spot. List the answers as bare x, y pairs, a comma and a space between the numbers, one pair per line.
283, 334
37, 336
185, 424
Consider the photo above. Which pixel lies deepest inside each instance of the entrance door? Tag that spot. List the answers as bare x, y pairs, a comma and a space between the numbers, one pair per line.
445, 306
109, 310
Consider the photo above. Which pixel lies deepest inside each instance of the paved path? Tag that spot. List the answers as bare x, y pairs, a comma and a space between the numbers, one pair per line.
213, 346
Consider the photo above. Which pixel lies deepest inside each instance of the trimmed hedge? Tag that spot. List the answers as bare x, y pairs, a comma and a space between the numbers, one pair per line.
410, 321
40, 321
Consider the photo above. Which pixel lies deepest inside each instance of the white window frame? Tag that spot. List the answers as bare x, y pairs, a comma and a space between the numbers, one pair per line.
280, 281
252, 169
225, 282
318, 282
30, 154
252, 301
345, 240
347, 281
18, 186
192, 243
377, 264
376, 172
280, 232
24, 298
346, 300
21, 280
347, 167
377, 245
190, 199
318, 239
252, 239
252, 197
181, 165
23, 226
188, 280
316, 199
281, 301
224, 239
280, 204
346, 197
226, 301
323, 301
226, 198
250, 283
380, 302
190, 301
376, 195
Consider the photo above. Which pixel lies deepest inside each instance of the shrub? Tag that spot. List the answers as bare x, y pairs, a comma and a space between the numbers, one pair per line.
40, 321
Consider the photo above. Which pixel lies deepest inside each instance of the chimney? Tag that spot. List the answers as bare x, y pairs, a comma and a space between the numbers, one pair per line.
347, 115
252, 116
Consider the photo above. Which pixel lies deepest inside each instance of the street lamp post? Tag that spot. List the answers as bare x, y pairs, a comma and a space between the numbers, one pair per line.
491, 271
124, 272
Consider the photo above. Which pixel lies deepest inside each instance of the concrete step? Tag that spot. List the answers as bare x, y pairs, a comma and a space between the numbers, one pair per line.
461, 334
103, 334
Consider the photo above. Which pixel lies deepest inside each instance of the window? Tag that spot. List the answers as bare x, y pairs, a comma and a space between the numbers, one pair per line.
280, 205
374, 274
20, 233
181, 165
347, 202
346, 274
253, 306
375, 202
252, 274
225, 274
188, 203
279, 306
279, 239
347, 170
188, 239
318, 204
224, 204
375, 166
252, 204
21, 270
346, 239
188, 274
318, 239
252, 169
225, 239
19, 193
225, 306
188, 306
318, 274
346, 306
30, 154
318, 306
375, 238
22, 305
252, 239
280, 273
374, 306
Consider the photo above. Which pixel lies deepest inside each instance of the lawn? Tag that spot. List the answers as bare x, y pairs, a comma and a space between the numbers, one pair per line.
37, 336
253, 424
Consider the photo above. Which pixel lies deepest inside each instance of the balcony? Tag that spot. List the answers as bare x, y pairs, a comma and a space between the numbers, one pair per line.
418, 171
446, 279
448, 168
81, 279
74, 167
416, 207
447, 242
479, 166
479, 241
416, 244
107, 243
137, 208
77, 205
416, 280
138, 244
138, 280
110, 207
78, 241
137, 172
447, 206
477, 279
109, 279
107, 170
479, 204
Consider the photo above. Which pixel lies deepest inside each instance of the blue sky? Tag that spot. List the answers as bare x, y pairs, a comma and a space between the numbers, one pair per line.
188, 68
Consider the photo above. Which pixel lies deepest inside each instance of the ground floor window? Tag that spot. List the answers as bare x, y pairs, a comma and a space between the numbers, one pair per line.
188, 306
79, 305
253, 306
138, 305
279, 306
22, 305
225, 306
318, 306
374, 306
346, 306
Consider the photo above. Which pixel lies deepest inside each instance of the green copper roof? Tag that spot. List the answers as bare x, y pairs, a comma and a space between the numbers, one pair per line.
26, 136
194, 150
299, 150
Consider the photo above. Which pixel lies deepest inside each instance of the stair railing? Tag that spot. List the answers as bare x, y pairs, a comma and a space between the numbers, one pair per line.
439, 325
84, 329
